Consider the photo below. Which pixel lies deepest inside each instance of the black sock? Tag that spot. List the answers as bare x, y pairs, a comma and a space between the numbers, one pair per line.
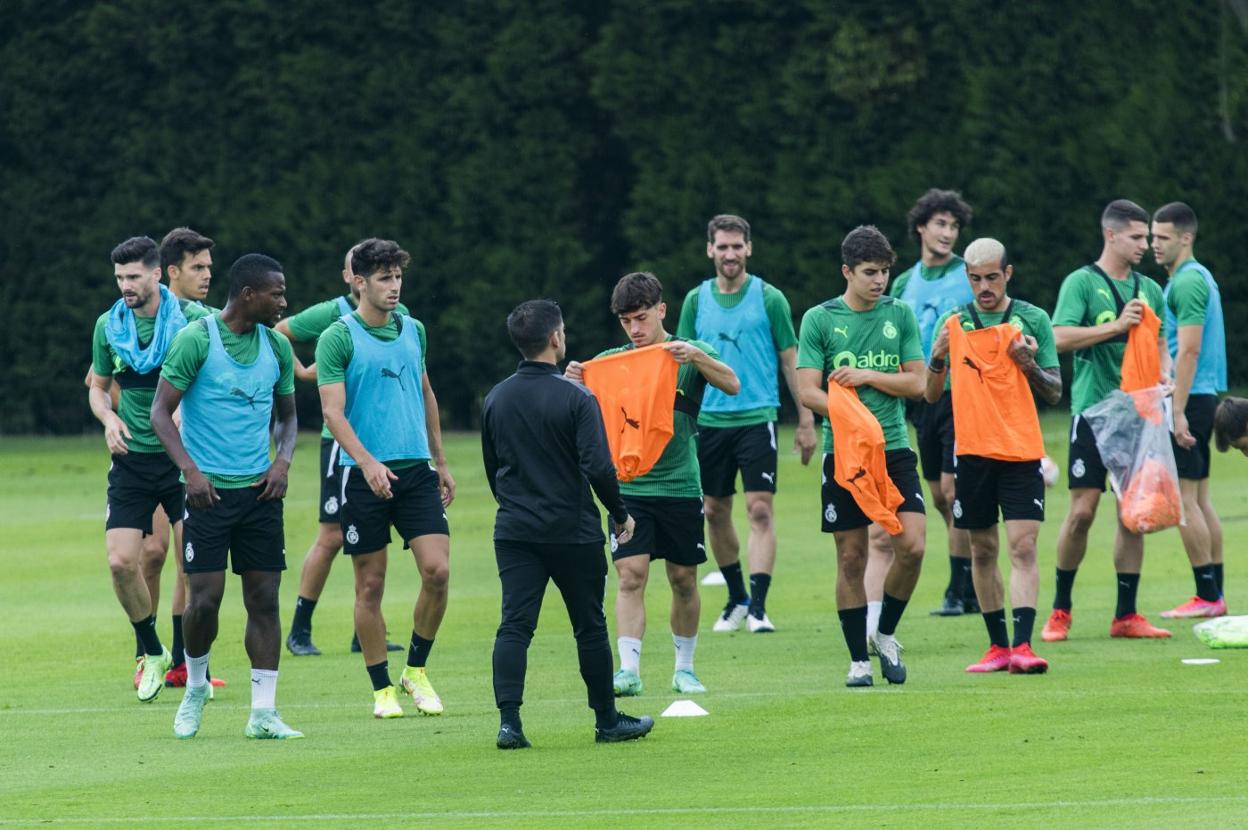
379, 673
1128, 585
997, 633
736, 583
854, 629
1206, 583
1024, 622
139, 651
759, 583
303, 615
890, 613
606, 718
145, 630
959, 575
1217, 574
418, 651
1065, 582
179, 647
510, 716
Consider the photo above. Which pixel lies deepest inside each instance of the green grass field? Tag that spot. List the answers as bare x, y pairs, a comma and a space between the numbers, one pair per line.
1118, 734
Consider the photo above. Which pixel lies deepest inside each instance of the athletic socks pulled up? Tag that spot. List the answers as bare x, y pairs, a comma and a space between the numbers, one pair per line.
854, 629
1217, 574
760, 583
873, 615
998, 635
890, 614
1024, 623
685, 647
379, 673
1065, 582
303, 614
629, 649
145, 631
179, 647
736, 583
263, 688
418, 651
1207, 583
959, 577
1128, 587
196, 671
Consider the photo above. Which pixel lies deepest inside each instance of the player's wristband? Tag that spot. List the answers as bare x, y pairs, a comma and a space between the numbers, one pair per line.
936, 365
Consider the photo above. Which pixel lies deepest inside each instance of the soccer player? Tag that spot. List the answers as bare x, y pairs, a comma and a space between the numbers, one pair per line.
985, 483
130, 342
1196, 341
869, 341
750, 324
544, 448
229, 372
307, 326
381, 410
1097, 306
666, 502
932, 287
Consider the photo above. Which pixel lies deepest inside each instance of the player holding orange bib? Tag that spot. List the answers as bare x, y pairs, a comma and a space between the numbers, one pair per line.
635, 390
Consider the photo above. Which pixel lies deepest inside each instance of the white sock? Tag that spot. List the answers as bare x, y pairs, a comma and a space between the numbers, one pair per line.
263, 689
196, 670
685, 646
873, 616
630, 653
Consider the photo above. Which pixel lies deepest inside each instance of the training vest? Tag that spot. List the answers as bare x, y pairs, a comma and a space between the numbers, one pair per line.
344, 307
635, 389
858, 461
742, 336
385, 394
994, 413
930, 299
1210, 378
226, 409
1141, 362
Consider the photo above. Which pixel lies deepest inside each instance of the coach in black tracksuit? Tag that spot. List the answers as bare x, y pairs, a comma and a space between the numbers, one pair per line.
544, 446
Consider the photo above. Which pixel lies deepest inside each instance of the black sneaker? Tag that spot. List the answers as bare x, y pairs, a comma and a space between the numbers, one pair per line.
299, 643
355, 645
511, 737
970, 605
627, 728
889, 651
950, 607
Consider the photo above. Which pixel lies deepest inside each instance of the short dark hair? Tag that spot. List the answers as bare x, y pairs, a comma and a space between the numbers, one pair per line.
1122, 212
1179, 214
865, 243
530, 325
1230, 422
634, 291
252, 271
137, 249
936, 201
373, 255
178, 243
727, 222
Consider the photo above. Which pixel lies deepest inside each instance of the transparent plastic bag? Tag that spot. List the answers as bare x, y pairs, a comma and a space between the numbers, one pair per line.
1135, 448
1223, 632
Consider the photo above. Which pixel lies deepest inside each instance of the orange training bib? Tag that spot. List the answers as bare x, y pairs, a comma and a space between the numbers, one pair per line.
636, 390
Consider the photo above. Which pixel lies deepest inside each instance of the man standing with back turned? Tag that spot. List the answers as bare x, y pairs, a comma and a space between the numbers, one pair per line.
544, 447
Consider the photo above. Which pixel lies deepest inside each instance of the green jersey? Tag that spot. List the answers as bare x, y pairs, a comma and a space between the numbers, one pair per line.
335, 348
882, 339
1025, 317
929, 273
779, 315
135, 407
676, 474
310, 323
190, 350
1085, 300
1187, 297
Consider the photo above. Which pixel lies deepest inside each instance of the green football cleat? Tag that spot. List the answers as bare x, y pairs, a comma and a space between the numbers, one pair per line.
416, 683
627, 683
386, 704
265, 723
153, 678
687, 683
190, 711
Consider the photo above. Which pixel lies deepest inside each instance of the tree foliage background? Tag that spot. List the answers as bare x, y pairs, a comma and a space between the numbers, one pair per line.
523, 148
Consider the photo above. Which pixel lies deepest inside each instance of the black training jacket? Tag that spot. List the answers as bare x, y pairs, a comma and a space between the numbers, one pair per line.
545, 446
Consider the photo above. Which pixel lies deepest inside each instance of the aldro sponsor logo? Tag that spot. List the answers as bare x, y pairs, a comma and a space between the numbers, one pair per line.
1106, 316
881, 360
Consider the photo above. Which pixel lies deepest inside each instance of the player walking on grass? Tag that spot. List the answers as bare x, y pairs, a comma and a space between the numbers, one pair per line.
229, 372
1196, 341
666, 502
381, 410
868, 341
1097, 306
544, 448
307, 326
999, 443
130, 342
750, 324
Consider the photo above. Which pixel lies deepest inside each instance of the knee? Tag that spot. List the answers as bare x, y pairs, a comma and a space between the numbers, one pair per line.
1080, 517
910, 555
436, 577
852, 561
121, 566
153, 556
202, 602
717, 511
983, 554
942, 497
1023, 553
261, 602
684, 585
369, 588
760, 515
631, 581
331, 538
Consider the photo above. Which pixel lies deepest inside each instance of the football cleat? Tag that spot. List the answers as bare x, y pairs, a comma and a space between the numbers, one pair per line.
1195, 608
733, 615
1023, 661
386, 704
627, 683
416, 683
994, 659
1136, 627
1058, 626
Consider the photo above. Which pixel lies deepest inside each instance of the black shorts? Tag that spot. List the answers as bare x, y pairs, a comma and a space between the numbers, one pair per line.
933, 430
1193, 464
240, 524
331, 481
1084, 467
724, 450
982, 485
667, 528
415, 509
841, 512
138, 483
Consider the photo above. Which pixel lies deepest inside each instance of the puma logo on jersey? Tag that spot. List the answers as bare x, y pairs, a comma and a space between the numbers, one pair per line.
862, 472
251, 399
843, 331
727, 338
1108, 296
968, 362
632, 422
387, 373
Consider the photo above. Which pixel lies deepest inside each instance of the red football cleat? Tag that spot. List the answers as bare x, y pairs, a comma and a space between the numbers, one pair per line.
1135, 626
138, 671
216, 681
994, 659
1195, 608
1058, 626
175, 678
1024, 661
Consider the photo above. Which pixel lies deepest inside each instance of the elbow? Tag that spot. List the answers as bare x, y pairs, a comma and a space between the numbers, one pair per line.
732, 387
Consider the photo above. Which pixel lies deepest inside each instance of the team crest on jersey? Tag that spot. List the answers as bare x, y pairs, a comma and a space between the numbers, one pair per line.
189, 556
829, 514
890, 331
331, 505
1078, 469
353, 535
